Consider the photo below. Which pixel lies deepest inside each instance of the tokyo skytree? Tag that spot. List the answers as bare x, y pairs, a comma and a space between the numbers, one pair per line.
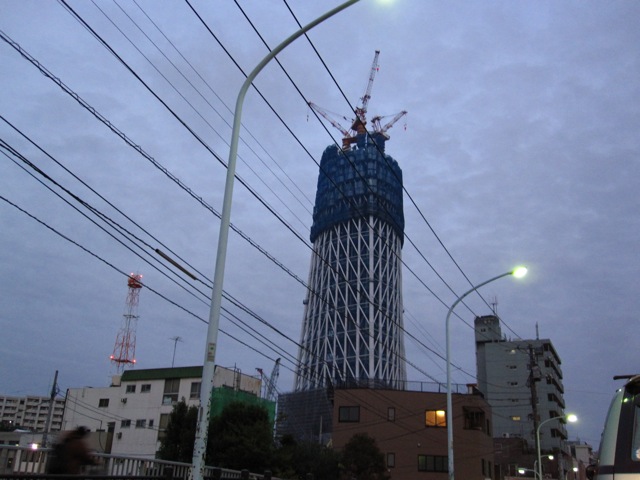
352, 329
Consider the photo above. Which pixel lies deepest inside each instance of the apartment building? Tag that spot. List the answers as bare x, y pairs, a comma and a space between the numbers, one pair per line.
135, 408
410, 428
30, 413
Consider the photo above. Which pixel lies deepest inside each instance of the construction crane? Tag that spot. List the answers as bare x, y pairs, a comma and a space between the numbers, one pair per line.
270, 383
358, 124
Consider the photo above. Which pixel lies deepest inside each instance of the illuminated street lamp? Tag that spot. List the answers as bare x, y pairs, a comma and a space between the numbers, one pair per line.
518, 272
521, 471
570, 417
535, 464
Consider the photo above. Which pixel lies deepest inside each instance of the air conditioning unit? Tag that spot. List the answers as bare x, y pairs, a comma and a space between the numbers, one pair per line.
119, 435
124, 400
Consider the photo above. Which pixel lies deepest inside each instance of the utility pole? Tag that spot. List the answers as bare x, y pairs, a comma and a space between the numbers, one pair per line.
52, 399
534, 376
175, 344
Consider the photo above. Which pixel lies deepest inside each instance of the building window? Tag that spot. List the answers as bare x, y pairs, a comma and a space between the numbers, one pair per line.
473, 419
391, 414
125, 423
145, 388
512, 384
151, 423
162, 425
195, 390
391, 460
516, 418
171, 390
141, 423
349, 414
103, 402
131, 388
432, 463
435, 418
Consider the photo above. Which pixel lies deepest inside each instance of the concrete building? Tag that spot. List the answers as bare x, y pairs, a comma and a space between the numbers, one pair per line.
352, 328
134, 410
410, 429
30, 413
522, 381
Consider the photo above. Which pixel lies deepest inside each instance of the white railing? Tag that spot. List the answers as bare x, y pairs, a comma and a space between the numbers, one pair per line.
25, 460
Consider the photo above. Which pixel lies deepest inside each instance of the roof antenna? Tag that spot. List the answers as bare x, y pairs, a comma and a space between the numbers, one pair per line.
494, 305
537, 332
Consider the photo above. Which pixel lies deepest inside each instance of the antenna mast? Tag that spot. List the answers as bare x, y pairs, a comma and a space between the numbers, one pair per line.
124, 350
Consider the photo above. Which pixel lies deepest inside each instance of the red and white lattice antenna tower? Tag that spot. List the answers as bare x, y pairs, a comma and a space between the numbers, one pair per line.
124, 351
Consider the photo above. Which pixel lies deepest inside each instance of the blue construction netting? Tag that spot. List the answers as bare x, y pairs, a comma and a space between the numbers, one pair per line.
342, 194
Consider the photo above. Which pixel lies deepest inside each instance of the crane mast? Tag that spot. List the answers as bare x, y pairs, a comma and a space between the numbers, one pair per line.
361, 111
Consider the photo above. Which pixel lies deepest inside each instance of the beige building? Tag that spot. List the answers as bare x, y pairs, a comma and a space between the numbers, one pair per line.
410, 428
30, 413
134, 410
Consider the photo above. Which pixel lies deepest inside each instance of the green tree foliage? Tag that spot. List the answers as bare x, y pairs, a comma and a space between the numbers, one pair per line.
362, 459
295, 460
177, 444
241, 437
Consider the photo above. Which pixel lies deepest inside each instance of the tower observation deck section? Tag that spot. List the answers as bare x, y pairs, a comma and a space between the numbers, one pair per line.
352, 329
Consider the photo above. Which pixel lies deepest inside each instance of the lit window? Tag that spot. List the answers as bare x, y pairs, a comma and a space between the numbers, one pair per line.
516, 418
435, 418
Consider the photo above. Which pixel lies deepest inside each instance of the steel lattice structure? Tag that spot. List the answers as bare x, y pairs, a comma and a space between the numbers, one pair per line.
352, 330
124, 350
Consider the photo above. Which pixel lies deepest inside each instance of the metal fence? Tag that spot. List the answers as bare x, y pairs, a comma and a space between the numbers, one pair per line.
24, 462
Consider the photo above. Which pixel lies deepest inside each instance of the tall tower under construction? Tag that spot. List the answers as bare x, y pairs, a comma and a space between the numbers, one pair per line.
352, 330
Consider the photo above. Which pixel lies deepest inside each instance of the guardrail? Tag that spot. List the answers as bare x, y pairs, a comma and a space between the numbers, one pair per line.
24, 462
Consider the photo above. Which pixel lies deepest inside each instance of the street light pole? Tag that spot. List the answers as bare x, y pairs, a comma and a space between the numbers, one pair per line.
522, 470
518, 273
208, 370
569, 418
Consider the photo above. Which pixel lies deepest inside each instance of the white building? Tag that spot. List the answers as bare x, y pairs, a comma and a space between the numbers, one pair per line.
510, 374
135, 409
30, 413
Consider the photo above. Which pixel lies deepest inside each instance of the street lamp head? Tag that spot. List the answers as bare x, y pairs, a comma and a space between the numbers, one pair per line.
571, 418
519, 272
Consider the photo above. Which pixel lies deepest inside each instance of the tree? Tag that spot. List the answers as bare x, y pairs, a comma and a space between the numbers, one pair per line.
180, 434
241, 437
363, 460
296, 460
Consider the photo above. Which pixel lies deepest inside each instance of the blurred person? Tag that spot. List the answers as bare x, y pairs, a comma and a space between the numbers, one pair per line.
71, 453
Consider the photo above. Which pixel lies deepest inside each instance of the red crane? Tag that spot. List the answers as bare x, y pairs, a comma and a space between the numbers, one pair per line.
358, 124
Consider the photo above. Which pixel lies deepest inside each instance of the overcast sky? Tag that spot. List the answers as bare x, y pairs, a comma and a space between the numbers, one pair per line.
521, 146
